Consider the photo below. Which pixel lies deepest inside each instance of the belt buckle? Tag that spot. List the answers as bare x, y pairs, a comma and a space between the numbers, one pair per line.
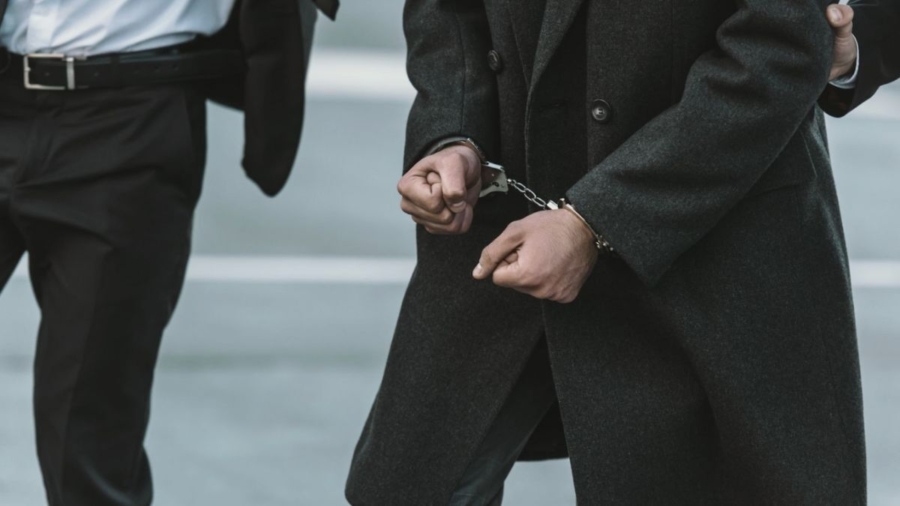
70, 71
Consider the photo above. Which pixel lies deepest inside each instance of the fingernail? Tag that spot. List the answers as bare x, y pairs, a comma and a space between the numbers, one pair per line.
458, 206
836, 14
479, 270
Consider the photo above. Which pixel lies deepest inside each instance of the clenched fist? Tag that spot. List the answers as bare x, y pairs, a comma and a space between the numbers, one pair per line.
440, 192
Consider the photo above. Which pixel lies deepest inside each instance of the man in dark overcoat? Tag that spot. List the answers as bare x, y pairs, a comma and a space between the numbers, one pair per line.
102, 154
683, 332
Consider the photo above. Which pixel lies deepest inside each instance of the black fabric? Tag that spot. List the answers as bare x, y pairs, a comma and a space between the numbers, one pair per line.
526, 19
275, 37
876, 25
328, 7
99, 187
715, 362
524, 409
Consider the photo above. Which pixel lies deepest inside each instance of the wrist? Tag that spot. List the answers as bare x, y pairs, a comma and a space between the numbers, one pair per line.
466, 152
845, 71
581, 231
452, 142
599, 242
844, 74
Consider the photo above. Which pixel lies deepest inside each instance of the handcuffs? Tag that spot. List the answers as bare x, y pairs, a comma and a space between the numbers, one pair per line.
495, 180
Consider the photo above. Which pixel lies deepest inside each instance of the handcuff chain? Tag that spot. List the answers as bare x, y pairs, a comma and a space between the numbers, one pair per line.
528, 193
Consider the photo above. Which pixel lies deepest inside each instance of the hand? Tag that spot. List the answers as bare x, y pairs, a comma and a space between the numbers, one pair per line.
440, 192
548, 255
840, 17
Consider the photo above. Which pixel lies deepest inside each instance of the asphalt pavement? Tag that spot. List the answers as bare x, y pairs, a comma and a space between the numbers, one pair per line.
264, 383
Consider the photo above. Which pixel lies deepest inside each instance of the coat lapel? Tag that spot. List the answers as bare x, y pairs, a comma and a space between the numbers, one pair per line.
558, 18
525, 19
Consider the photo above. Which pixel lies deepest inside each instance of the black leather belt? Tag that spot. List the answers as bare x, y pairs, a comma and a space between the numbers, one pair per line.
41, 71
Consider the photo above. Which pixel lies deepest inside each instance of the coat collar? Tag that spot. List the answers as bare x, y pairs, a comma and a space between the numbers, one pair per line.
558, 19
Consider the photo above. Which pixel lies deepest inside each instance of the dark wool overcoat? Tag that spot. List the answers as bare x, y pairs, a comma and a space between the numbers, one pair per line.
714, 362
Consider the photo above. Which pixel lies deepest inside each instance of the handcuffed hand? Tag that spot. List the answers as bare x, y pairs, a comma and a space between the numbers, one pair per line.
548, 255
440, 192
840, 17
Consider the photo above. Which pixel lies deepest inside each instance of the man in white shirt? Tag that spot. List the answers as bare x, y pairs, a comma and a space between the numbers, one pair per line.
102, 149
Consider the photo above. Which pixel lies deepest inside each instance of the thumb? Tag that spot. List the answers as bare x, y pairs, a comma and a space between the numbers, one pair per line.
456, 170
496, 252
840, 17
508, 274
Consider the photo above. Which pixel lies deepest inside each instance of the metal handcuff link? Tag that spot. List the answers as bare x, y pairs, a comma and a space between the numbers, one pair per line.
495, 180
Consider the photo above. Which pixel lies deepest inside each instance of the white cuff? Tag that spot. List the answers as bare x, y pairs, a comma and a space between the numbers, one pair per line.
848, 82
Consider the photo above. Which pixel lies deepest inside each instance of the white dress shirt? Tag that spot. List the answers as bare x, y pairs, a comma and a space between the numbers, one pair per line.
90, 27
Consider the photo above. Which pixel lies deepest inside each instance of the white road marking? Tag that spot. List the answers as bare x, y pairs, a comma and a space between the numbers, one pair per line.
875, 274
387, 271
380, 76
301, 269
288, 269
359, 75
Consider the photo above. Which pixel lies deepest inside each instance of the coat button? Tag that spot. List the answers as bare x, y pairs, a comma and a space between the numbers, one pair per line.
495, 61
601, 111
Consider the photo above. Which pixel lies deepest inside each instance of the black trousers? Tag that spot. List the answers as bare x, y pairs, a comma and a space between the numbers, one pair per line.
99, 187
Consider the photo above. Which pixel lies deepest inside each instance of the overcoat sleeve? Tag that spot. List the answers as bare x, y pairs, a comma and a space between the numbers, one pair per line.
671, 182
448, 43
876, 25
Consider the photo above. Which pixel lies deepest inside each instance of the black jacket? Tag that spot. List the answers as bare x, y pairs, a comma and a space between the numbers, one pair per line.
876, 25
276, 38
714, 362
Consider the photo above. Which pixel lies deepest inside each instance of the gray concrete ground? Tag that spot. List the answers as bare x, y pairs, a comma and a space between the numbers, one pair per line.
262, 387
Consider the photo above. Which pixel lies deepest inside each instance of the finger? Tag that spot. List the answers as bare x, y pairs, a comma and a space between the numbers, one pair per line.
452, 170
473, 194
459, 224
511, 258
509, 275
494, 254
444, 217
430, 227
416, 188
840, 17
466, 219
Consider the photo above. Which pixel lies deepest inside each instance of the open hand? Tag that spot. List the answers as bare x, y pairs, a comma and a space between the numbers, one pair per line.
840, 17
548, 255
440, 192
